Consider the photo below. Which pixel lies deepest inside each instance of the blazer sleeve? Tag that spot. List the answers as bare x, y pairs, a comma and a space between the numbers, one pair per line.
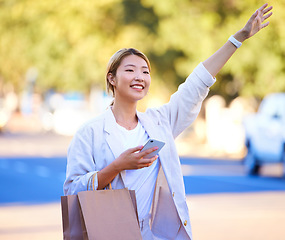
80, 162
185, 104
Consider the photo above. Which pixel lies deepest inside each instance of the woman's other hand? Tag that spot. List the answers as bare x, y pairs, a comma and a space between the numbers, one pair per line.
133, 158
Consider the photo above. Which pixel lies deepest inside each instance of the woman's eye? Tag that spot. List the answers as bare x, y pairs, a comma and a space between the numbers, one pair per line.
129, 70
146, 72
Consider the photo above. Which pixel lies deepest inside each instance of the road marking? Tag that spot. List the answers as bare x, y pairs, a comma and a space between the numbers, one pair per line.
212, 170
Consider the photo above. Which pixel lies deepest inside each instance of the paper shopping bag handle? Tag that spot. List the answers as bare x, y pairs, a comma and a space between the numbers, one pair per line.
93, 180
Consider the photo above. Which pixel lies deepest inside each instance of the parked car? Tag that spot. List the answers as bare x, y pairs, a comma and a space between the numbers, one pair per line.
265, 134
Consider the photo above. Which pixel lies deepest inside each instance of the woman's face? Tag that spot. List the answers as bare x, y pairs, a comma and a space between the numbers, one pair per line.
132, 79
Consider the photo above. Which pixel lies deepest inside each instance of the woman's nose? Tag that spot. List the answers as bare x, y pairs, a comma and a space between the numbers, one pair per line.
139, 77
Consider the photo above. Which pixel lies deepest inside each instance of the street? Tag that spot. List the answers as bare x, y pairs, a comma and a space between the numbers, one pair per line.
224, 203
40, 180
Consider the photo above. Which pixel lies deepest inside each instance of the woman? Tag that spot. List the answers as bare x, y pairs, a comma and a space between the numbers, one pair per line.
108, 147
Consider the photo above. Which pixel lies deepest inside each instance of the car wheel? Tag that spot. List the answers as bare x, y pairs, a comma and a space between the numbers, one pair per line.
250, 161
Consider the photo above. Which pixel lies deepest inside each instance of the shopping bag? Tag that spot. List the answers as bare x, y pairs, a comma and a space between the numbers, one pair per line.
109, 214
71, 221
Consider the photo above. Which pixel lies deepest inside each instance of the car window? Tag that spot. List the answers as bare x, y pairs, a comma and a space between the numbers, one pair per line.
273, 106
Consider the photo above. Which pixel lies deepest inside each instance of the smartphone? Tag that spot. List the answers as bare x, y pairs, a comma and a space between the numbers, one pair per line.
150, 144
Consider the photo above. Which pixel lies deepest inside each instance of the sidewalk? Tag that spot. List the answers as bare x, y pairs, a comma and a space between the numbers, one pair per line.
251, 216
50, 144
33, 144
246, 216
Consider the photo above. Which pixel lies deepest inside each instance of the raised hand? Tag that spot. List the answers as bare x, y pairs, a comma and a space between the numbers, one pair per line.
215, 62
255, 23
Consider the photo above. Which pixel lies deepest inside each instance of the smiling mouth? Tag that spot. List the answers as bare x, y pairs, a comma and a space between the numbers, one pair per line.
137, 87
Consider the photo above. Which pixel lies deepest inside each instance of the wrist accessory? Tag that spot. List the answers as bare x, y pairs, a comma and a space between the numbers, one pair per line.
234, 41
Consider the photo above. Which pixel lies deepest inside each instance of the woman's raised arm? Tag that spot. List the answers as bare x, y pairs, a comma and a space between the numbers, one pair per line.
214, 63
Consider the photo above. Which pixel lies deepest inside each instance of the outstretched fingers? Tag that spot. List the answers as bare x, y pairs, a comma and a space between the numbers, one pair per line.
263, 12
264, 25
267, 9
267, 16
261, 15
263, 7
264, 17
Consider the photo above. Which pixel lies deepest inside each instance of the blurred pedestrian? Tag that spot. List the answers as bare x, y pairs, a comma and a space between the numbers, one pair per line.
110, 145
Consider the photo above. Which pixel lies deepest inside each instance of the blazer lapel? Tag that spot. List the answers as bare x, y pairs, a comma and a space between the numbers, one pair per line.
151, 127
112, 139
156, 131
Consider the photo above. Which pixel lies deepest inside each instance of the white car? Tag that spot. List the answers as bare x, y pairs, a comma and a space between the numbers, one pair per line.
265, 134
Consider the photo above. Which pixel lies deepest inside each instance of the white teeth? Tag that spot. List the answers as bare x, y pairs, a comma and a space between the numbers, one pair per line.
137, 87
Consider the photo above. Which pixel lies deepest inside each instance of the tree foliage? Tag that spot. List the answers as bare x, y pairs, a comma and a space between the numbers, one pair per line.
70, 42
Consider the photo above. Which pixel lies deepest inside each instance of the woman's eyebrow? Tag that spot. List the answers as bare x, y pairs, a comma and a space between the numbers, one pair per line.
132, 65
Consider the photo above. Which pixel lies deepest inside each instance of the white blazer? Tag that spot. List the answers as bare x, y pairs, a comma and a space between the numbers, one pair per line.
95, 145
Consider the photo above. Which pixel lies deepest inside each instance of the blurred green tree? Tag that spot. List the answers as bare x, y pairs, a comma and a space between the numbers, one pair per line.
70, 42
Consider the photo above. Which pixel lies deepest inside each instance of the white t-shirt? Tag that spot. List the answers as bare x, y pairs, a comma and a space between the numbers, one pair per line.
141, 180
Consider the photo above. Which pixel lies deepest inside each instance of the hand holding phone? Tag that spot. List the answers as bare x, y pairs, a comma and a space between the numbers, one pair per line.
150, 144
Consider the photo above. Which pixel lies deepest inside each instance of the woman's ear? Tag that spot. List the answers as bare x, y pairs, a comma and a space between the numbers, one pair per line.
111, 79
